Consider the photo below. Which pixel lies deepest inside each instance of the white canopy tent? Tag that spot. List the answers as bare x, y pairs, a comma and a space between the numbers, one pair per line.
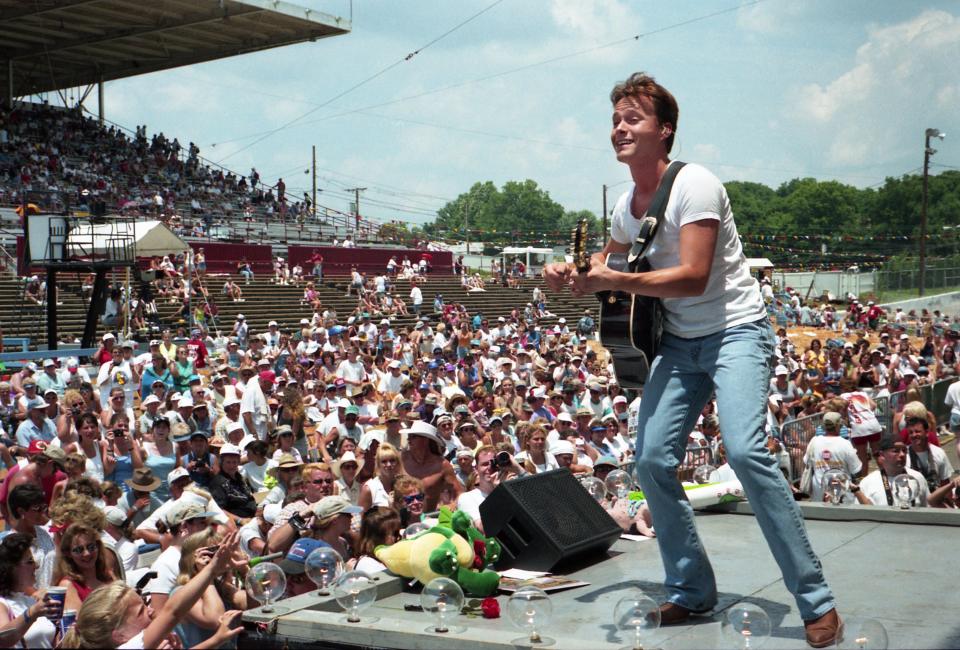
124, 240
533, 258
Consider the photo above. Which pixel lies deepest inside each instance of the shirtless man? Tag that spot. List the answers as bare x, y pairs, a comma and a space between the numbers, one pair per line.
423, 459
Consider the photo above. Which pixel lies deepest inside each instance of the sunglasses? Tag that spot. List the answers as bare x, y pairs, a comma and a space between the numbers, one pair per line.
90, 548
322, 481
40, 507
414, 497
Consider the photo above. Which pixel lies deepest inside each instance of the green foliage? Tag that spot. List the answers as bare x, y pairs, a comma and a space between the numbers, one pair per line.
518, 213
790, 224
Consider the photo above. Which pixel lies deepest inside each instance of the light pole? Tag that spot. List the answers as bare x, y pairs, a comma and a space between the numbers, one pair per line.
927, 152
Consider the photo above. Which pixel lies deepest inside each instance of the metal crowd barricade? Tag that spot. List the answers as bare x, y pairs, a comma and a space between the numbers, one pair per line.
696, 456
795, 435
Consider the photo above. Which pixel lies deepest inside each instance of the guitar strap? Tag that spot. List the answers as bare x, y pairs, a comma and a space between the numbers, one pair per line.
650, 222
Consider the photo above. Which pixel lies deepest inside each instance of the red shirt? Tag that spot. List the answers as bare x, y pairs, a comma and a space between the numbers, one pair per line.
931, 437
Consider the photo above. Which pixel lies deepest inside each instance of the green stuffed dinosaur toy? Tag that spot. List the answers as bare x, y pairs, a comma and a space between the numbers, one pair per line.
453, 548
476, 579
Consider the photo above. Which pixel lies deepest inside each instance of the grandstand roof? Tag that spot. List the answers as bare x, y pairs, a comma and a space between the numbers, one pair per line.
55, 44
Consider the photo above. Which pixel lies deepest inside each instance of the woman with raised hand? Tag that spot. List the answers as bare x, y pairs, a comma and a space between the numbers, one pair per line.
115, 616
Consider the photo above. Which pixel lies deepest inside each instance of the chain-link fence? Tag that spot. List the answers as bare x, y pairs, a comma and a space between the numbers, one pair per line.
938, 276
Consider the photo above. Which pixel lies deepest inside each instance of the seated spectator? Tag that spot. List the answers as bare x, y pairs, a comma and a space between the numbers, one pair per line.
31, 619
82, 564
229, 488
43, 469
408, 499
829, 451
379, 526
877, 487
929, 460
115, 616
294, 567
332, 519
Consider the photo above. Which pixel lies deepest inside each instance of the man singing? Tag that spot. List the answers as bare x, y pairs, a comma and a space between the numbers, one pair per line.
717, 337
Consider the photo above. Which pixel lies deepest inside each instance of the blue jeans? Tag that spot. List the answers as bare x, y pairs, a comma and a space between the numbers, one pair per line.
735, 363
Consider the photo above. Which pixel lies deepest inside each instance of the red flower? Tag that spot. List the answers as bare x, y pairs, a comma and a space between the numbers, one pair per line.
490, 608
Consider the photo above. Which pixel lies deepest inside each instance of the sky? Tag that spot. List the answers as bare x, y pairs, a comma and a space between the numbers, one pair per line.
768, 91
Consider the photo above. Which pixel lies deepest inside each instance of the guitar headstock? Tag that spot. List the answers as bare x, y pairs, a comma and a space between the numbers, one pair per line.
581, 259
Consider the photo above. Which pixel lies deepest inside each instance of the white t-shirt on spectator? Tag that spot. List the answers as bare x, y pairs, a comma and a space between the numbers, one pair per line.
167, 566
938, 458
469, 502
872, 486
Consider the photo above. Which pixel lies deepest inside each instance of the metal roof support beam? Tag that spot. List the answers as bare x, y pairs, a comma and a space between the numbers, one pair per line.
10, 82
100, 100
33, 11
139, 31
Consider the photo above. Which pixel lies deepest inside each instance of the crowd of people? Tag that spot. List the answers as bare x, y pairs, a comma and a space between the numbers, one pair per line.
344, 433
63, 158
202, 451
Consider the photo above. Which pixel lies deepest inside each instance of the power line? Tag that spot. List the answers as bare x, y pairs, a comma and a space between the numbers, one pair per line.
364, 81
502, 73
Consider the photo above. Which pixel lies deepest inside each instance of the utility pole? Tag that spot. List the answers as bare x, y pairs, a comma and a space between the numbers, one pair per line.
604, 215
927, 152
356, 202
466, 222
314, 168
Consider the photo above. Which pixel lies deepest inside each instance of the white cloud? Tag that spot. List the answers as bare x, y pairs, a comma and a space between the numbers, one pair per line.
594, 20
767, 17
902, 79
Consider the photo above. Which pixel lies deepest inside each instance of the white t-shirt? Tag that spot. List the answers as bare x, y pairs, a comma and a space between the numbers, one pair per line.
255, 474
249, 532
167, 566
830, 452
937, 457
732, 296
41, 632
872, 486
863, 421
953, 399
469, 502
416, 296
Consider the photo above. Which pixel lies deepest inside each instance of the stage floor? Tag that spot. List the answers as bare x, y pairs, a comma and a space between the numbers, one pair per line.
903, 575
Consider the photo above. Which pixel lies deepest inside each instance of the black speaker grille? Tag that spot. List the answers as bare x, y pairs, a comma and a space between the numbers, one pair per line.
560, 506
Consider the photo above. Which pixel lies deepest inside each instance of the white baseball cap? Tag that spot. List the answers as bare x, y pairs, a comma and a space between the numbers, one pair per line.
561, 447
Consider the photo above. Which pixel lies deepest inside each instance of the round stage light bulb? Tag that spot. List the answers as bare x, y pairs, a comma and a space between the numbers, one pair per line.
905, 490
618, 482
747, 625
415, 529
639, 615
265, 583
702, 474
322, 566
595, 487
443, 598
355, 591
835, 483
530, 610
858, 633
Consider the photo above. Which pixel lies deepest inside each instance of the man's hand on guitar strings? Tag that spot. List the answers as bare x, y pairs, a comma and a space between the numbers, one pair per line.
594, 280
557, 275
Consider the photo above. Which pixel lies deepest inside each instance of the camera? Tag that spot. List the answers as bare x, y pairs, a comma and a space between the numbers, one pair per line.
119, 433
297, 522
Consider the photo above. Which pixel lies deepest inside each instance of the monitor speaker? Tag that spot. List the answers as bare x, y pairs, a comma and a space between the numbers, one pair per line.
545, 519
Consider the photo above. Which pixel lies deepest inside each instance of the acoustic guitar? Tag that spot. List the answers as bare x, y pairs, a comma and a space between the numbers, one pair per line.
630, 325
